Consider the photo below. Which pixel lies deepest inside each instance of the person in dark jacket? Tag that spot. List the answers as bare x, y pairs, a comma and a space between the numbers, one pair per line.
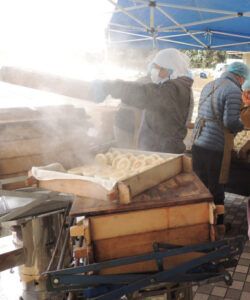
166, 101
217, 122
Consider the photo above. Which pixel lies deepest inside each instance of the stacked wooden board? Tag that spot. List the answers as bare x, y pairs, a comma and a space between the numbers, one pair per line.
39, 135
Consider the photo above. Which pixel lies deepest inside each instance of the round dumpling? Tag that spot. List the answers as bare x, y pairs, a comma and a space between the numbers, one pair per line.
156, 156
116, 160
150, 160
160, 161
123, 164
138, 164
129, 155
132, 159
89, 170
109, 156
141, 157
116, 153
101, 159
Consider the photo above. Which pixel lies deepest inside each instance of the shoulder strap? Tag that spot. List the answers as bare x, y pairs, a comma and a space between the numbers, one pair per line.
213, 105
212, 92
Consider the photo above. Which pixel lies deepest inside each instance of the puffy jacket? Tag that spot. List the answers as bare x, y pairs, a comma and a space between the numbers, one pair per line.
167, 106
227, 100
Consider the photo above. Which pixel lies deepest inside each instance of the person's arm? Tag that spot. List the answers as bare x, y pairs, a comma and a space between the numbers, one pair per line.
231, 117
149, 95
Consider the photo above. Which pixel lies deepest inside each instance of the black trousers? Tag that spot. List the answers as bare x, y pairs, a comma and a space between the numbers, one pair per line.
207, 165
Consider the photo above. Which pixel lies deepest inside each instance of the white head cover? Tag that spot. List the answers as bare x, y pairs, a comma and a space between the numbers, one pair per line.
173, 59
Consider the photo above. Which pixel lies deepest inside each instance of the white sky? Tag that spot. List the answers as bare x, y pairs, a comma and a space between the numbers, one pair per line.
51, 31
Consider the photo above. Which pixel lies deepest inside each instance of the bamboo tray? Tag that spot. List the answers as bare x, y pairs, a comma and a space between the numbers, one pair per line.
122, 191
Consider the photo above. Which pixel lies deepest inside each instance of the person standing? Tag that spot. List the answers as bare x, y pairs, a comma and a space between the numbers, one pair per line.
166, 101
217, 122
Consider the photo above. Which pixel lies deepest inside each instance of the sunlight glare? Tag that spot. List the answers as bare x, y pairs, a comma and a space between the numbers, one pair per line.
51, 33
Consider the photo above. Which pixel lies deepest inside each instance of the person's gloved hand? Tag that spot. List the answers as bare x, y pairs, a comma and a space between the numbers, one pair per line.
99, 93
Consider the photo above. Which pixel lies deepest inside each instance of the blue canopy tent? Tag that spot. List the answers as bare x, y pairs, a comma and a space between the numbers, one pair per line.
185, 24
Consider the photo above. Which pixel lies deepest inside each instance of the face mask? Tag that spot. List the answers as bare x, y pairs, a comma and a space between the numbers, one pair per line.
155, 76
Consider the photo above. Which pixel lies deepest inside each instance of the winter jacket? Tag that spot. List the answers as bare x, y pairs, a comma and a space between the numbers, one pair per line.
166, 106
128, 116
227, 100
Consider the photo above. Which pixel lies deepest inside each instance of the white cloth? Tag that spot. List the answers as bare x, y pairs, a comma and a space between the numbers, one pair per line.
173, 59
56, 171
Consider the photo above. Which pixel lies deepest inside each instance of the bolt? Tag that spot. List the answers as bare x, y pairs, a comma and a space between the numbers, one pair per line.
227, 277
152, 280
56, 281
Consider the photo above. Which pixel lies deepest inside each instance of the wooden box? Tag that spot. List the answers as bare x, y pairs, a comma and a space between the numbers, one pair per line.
125, 190
179, 211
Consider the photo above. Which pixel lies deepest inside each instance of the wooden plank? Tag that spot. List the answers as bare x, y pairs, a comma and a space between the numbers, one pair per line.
80, 252
29, 147
38, 113
185, 188
10, 256
11, 259
21, 164
132, 186
77, 230
220, 209
2, 176
135, 222
23, 130
15, 185
34, 79
212, 213
187, 163
136, 244
36, 129
87, 232
78, 187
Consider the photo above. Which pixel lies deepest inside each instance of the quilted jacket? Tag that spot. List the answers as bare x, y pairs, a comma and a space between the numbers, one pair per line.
227, 100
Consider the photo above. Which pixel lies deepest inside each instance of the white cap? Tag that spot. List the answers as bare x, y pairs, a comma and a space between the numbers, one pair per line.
173, 59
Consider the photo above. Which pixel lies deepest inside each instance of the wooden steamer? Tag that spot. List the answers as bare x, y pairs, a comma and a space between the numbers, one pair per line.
165, 204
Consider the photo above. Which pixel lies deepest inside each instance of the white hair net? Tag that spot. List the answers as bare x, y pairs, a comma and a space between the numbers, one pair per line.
173, 59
